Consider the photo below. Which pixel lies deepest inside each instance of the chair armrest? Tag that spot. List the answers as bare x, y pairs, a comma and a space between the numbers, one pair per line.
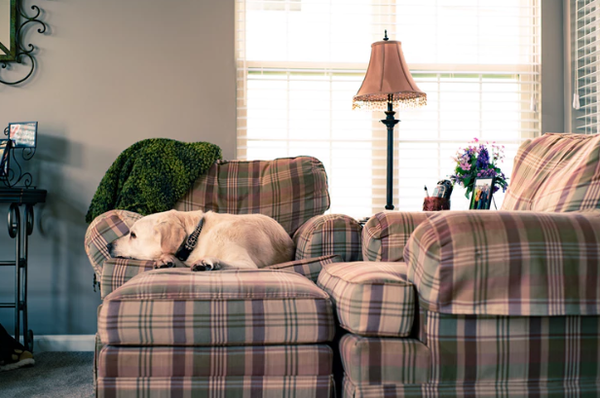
385, 234
329, 234
507, 263
103, 230
117, 271
309, 267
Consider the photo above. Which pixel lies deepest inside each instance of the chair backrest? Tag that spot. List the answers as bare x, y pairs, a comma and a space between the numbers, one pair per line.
290, 190
557, 173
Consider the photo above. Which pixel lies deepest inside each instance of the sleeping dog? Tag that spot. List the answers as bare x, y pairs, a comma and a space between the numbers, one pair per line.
206, 240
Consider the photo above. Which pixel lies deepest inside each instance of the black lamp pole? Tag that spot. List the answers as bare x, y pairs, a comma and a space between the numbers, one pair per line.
390, 122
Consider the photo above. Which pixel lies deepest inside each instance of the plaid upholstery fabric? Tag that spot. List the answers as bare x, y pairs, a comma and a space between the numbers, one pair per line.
179, 307
297, 360
469, 348
117, 271
238, 387
546, 389
386, 233
104, 230
290, 190
507, 263
309, 267
371, 298
329, 234
557, 173
376, 360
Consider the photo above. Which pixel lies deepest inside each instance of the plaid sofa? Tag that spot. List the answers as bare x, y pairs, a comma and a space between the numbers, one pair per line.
481, 303
250, 333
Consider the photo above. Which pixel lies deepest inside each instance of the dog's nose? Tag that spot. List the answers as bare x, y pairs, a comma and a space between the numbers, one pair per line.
110, 249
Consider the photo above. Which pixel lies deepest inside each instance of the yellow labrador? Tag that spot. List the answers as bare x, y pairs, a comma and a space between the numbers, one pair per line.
206, 241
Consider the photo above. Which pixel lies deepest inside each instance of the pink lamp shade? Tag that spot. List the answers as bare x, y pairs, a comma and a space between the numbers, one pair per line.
388, 74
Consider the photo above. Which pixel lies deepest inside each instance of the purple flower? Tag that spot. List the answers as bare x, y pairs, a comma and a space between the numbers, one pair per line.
483, 160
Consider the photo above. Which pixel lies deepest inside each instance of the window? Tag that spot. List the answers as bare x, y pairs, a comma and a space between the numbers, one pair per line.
585, 68
299, 66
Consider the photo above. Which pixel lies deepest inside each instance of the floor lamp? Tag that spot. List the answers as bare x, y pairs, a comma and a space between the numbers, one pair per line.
388, 84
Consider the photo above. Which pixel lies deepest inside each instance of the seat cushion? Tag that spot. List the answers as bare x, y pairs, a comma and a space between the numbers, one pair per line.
384, 360
371, 298
276, 360
178, 307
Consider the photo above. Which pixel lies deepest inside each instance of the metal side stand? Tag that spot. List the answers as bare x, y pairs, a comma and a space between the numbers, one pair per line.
18, 197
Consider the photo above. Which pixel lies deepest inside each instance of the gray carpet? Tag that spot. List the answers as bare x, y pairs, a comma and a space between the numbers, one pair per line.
54, 375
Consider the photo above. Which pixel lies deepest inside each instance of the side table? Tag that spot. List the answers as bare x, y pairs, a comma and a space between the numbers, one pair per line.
18, 197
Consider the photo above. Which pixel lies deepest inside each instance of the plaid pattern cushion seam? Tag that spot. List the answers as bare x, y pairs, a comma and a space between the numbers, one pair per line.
371, 298
309, 267
298, 360
329, 234
507, 263
376, 360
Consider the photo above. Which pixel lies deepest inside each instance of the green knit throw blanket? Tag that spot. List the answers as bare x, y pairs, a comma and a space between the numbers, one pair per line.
152, 175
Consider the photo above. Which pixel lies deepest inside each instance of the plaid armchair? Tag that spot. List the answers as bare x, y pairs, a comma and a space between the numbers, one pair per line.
173, 332
482, 303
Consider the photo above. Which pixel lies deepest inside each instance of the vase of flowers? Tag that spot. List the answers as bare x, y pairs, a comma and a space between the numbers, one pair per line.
479, 161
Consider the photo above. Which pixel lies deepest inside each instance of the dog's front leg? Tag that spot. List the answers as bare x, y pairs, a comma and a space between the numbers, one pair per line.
214, 264
207, 264
167, 260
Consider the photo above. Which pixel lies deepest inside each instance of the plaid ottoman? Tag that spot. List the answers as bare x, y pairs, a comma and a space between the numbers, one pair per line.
173, 332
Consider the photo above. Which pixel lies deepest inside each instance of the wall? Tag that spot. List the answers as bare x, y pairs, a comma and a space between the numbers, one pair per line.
111, 73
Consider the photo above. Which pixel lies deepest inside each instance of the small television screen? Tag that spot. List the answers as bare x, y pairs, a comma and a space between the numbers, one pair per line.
23, 134
4, 154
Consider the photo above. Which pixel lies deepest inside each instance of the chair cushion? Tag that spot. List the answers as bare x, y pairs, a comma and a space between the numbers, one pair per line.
178, 307
384, 360
557, 173
371, 298
290, 190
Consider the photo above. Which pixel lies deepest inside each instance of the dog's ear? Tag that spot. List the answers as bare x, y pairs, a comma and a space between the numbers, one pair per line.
189, 219
171, 236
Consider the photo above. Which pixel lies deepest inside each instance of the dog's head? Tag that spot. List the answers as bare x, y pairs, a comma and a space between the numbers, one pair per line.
151, 236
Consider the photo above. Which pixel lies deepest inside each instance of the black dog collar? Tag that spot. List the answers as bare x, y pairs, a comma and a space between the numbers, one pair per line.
190, 243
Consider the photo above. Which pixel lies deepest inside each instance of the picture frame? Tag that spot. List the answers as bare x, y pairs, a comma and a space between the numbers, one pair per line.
23, 134
5, 146
483, 190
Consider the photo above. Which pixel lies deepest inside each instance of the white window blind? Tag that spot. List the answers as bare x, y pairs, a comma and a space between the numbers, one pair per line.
300, 63
585, 68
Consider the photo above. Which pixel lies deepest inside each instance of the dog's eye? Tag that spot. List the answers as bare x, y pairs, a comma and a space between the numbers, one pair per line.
132, 235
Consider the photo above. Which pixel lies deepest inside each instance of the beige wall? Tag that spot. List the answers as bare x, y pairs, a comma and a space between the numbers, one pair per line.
111, 72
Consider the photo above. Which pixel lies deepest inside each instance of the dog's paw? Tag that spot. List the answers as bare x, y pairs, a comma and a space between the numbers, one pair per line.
165, 261
208, 264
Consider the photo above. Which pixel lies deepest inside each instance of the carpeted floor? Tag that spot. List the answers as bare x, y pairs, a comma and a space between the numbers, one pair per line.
54, 375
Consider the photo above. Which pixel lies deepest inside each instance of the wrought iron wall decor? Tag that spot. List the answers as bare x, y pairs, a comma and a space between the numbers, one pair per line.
13, 175
13, 50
